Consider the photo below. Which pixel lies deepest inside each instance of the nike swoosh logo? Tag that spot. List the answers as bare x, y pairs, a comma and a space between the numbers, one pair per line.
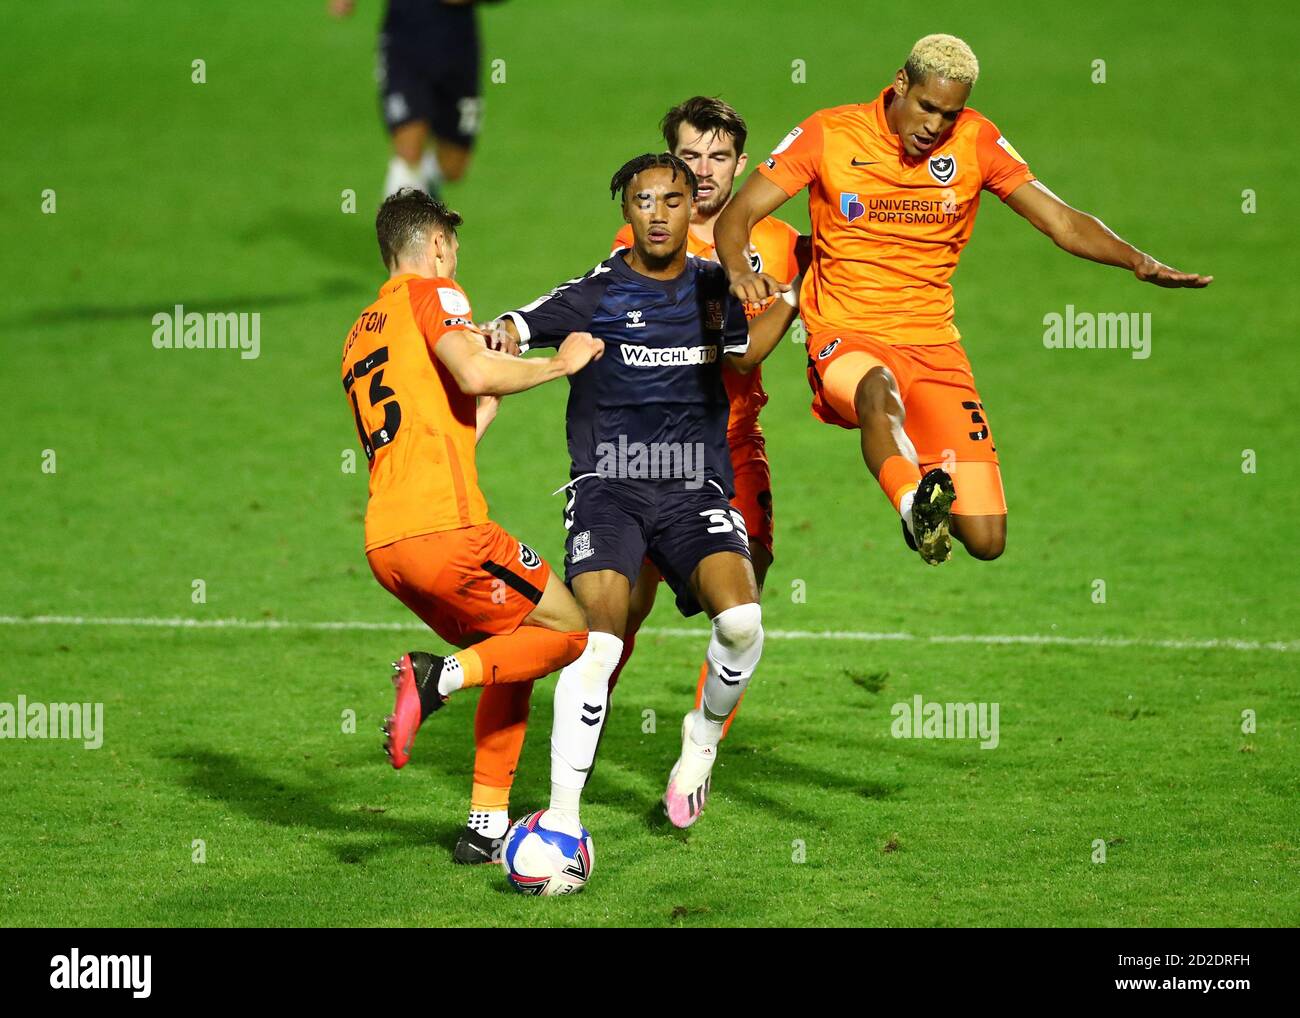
856, 162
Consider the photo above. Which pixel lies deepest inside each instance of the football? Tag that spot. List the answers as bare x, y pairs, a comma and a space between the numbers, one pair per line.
541, 861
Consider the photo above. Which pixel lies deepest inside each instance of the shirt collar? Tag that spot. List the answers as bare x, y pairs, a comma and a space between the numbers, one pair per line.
879, 106
396, 282
668, 286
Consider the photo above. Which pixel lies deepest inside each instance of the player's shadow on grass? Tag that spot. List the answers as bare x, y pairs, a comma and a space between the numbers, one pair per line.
753, 778
272, 800
346, 241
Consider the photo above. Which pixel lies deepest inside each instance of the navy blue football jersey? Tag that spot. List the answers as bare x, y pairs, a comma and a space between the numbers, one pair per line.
660, 380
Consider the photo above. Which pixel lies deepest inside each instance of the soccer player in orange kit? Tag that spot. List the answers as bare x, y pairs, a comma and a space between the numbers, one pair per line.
893, 189
413, 365
709, 136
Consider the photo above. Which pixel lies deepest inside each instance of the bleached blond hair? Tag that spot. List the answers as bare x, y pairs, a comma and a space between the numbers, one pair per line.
943, 56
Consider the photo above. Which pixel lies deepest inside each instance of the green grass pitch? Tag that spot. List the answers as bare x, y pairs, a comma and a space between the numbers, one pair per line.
176, 466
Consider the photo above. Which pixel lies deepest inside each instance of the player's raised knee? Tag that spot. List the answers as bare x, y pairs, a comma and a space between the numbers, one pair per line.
988, 550
740, 627
876, 394
984, 540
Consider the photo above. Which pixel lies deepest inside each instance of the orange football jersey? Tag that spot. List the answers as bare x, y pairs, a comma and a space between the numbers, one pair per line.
415, 424
771, 250
887, 229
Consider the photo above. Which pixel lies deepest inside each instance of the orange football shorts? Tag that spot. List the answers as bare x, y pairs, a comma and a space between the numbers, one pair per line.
945, 416
464, 584
753, 482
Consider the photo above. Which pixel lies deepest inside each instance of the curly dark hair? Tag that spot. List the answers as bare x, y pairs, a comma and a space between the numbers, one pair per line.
618, 184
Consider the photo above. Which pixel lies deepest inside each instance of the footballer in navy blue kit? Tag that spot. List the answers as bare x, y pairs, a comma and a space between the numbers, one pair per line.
647, 433
430, 90
650, 471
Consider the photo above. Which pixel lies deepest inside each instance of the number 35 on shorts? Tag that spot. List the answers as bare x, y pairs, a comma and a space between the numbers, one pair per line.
724, 521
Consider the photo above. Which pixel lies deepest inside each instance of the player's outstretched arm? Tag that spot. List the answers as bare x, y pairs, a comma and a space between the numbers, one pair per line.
758, 199
483, 372
1088, 237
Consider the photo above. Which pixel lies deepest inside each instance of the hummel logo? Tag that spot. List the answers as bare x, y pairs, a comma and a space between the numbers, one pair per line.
635, 322
860, 162
724, 671
591, 713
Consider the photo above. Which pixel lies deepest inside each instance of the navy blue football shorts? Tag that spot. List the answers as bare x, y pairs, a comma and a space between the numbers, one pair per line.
617, 524
442, 89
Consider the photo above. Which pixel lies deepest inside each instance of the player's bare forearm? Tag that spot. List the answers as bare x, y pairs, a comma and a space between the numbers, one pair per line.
491, 373
1086, 236
758, 199
505, 374
479, 371
765, 332
731, 232
485, 412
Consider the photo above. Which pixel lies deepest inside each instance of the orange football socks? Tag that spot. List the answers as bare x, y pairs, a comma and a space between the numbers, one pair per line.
898, 475
529, 653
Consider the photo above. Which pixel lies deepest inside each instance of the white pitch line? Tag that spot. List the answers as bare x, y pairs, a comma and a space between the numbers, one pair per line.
1046, 640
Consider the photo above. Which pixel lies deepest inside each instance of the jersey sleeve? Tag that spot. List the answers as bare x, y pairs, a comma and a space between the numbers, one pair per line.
552, 316
796, 161
735, 329
1001, 166
439, 306
622, 239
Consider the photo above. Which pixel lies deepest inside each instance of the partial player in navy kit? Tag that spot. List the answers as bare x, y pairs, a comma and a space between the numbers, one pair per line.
651, 470
429, 88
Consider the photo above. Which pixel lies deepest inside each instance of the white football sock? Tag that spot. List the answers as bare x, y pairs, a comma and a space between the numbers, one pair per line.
734, 650
905, 509
452, 676
562, 814
490, 824
402, 174
581, 695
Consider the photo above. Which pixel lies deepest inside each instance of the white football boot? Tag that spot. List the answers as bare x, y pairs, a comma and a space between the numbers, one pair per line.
690, 778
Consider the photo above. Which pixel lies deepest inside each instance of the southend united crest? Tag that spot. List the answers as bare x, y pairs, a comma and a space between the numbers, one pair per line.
943, 168
713, 315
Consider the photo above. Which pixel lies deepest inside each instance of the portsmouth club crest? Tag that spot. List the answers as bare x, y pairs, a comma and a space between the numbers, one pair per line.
943, 168
828, 349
